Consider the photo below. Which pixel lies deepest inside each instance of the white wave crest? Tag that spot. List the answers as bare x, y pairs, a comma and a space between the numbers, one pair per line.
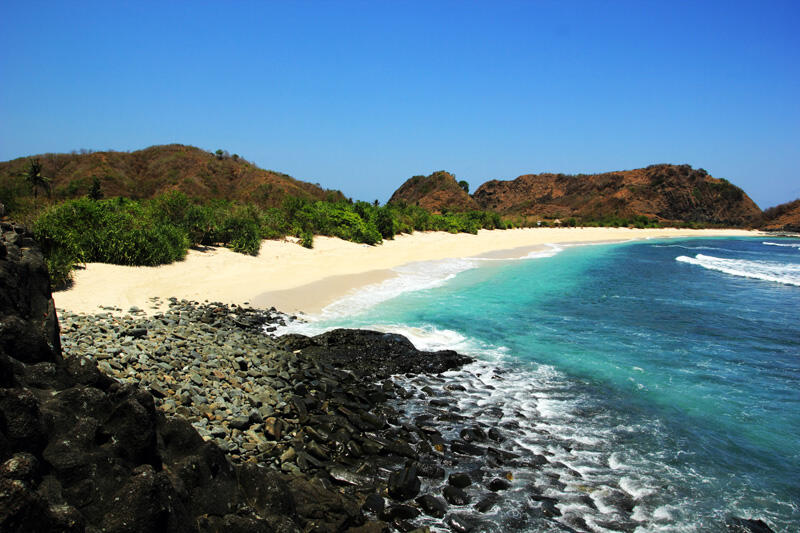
411, 277
785, 273
783, 244
552, 249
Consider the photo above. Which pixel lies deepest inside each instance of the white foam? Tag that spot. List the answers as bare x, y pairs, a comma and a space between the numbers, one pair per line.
662, 513
785, 273
410, 278
635, 488
552, 250
783, 244
615, 462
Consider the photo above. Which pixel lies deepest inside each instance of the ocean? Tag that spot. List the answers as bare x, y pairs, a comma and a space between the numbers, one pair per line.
660, 378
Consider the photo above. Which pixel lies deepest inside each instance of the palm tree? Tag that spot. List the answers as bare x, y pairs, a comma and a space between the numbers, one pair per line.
35, 179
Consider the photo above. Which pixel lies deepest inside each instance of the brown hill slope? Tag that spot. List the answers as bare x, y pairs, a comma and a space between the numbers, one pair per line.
146, 173
665, 192
784, 217
436, 192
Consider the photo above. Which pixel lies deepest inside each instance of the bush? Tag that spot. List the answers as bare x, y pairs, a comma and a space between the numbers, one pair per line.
307, 239
114, 231
60, 263
240, 230
160, 230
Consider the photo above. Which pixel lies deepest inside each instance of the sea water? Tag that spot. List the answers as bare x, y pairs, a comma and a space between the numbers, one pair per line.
667, 371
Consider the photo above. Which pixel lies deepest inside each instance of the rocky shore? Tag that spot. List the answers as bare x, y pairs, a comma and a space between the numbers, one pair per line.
322, 407
196, 419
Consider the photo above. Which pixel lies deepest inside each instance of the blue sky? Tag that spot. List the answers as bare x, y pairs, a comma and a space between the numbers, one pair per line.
359, 96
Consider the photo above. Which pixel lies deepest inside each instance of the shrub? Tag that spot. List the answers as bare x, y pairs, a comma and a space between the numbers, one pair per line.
60, 263
113, 231
160, 230
307, 239
240, 230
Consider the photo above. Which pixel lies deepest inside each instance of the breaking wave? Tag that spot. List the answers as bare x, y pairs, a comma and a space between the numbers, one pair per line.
788, 274
783, 244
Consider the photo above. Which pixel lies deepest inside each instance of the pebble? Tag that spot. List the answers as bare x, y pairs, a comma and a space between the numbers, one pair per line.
218, 367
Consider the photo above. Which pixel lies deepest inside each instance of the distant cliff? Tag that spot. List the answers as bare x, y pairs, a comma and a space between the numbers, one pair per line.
665, 192
785, 217
437, 192
157, 169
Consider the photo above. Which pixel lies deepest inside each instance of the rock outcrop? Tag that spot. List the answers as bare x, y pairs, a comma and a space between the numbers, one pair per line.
294, 441
664, 192
436, 193
81, 451
373, 355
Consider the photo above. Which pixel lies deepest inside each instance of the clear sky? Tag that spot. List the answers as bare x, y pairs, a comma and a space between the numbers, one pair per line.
359, 96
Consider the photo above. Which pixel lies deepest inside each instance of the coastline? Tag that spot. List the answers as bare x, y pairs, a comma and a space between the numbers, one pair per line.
351, 430
295, 279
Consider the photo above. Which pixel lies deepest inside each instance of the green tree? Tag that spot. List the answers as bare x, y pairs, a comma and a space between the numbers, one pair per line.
95, 192
34, 178
464, 185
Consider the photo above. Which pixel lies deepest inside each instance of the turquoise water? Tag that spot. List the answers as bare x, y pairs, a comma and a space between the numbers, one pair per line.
675, 364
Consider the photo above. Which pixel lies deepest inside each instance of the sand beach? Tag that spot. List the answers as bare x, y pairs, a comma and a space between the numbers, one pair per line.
293, 279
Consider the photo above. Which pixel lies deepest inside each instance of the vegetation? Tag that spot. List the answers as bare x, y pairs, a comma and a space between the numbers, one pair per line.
117, 231
778, 211
148, 207
35, 180
634, 221
438, 192
159, 231
144, 174
95, 191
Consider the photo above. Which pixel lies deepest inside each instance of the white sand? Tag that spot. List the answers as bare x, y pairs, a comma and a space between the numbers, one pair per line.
292, 278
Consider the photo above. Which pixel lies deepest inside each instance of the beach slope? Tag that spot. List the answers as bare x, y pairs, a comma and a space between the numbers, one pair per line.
292, 278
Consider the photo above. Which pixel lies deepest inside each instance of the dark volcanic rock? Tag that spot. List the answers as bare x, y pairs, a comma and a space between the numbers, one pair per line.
28, 323
371, 354
455, 496
430, 470
746, 525
432, 506
399, 512
498, 484
486, 503
459, 480
74, 444
404, 484
206, 424
463, 523
374, 503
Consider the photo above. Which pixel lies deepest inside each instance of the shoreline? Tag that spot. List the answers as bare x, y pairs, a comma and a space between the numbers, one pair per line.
295, 279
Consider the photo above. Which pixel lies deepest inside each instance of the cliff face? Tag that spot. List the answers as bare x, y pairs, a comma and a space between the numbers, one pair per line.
666, 192
436, 192
146, 173
784, 217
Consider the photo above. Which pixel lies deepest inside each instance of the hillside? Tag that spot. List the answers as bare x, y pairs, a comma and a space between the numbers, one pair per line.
436, 192
784, 217
146, 173
664, 192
